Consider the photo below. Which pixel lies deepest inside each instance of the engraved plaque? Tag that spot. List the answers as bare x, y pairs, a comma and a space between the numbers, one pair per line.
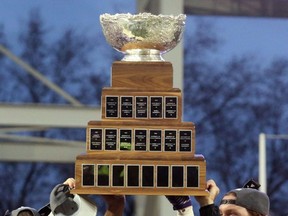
125, 139
141, 107
118, 174
171, 107
156, 107
126, 107
111, 107
110, 139
88, 174
96, 137
177, 176
185, 140
155, 140
170, 140
192, 176
162, 176
103, 175
133, 175
140, 139
147, 176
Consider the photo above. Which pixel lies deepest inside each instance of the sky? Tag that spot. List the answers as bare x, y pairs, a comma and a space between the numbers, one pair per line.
60, 14
264, 37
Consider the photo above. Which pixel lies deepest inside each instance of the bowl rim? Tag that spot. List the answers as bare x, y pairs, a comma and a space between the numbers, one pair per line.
144, 15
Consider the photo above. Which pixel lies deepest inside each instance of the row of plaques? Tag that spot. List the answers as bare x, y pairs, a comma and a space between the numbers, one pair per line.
141, 107
159, 176
171, 140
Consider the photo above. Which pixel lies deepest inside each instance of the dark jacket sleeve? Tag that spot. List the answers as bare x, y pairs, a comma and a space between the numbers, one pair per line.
209, 210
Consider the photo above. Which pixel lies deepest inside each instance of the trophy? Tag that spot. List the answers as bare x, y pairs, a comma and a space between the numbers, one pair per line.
141, 146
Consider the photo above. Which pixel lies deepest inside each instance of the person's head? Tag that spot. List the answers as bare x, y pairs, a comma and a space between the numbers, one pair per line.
23, 211
62, 203
245, 202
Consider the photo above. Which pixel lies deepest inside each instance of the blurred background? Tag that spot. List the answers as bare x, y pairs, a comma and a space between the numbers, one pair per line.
232, 66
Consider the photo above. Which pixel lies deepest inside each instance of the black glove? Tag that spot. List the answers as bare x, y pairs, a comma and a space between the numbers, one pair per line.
179, 202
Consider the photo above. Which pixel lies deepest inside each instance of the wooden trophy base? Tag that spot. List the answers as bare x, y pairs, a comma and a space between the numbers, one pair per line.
145, 176
142, 75
141, 146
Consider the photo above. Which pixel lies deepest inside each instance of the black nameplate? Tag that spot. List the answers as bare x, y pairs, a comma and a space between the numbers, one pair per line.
147, 176
103, 175
126, 107
156, 107
125, 139
177, 176
155, 140
88, 174
162, 176
185, 140
170, 140
140, 139
96, 139
192, 176
118, 174
111, 107
133, 175
110, 139
141, 107
171, 107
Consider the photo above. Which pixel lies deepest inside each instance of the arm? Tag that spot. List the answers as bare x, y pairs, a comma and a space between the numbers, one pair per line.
182, 204
207, 206
115, 203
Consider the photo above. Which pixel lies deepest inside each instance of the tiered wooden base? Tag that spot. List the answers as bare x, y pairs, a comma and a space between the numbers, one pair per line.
141, 145
121, 173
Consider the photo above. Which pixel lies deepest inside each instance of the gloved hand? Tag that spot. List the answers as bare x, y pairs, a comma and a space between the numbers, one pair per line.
179, 202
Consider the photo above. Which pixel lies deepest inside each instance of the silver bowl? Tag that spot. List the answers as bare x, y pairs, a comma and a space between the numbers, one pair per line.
144, 36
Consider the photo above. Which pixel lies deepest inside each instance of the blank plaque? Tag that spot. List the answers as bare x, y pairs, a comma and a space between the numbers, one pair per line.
103, 173
118, 174
148, 176
88, 174
133, 175
162, 176
192, 176
177, 176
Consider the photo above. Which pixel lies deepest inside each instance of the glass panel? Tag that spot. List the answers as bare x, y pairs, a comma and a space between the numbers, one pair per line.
103, 175
148, 176
162, 176
118, 175
192, 176
177, 176
88, 174
133, 175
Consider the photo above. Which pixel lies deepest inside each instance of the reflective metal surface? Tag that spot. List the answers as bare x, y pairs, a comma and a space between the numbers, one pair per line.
144, 36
